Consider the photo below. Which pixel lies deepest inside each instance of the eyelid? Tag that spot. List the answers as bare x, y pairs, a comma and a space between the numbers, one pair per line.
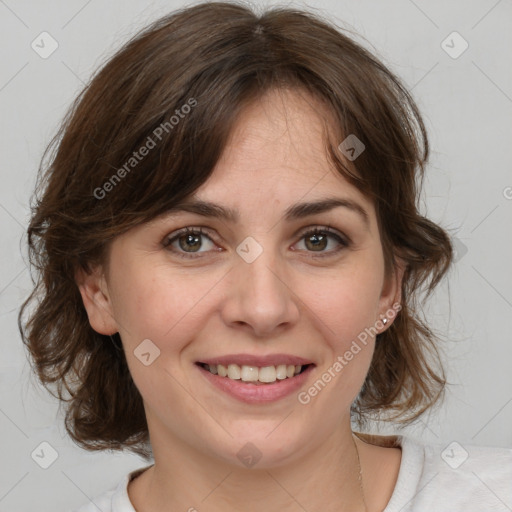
323, 229
171, 237
343, 240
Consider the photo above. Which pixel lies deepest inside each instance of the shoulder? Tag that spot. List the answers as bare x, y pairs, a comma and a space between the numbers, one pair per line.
115, 499
452, 477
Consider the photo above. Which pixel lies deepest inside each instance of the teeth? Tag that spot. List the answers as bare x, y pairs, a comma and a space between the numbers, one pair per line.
249, 373
265, 374
281, 372
234, 371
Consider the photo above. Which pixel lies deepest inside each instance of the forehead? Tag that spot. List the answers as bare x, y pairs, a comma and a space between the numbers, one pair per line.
287, 125
277, 153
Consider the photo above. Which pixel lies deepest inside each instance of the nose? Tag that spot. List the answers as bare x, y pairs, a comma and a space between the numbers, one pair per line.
259, 297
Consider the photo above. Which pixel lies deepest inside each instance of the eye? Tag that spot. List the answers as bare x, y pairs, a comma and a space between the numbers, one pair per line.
317, 240
189, 241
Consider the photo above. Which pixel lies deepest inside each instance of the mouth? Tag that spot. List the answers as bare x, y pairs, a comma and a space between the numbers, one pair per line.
256, 380
256, 375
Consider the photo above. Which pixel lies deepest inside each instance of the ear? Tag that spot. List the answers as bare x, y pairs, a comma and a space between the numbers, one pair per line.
95, 296
391, 295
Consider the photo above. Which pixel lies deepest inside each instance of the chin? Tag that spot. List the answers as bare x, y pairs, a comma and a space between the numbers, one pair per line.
264, 444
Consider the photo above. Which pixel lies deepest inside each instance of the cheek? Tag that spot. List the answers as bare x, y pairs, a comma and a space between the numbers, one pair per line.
347, 308
347, 315
348, 303
153, 303
150, 305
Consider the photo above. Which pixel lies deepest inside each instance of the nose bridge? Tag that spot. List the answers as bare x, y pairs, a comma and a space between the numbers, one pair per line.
260, 296
259, 270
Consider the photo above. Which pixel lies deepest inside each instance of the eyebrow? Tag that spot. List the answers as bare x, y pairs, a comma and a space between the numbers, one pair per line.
294, 212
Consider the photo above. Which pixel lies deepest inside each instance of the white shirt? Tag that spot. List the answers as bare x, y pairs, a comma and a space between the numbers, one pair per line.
431, 479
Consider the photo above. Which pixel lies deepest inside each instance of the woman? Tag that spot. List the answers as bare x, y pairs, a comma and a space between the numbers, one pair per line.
230, 257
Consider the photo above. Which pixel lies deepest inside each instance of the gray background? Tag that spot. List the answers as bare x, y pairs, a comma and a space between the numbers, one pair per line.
467, 104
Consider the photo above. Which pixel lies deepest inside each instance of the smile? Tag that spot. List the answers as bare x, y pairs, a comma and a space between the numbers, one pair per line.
254, 374
254, 384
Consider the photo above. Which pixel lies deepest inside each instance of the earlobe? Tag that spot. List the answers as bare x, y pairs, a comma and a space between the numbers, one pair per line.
391, 297
96, 299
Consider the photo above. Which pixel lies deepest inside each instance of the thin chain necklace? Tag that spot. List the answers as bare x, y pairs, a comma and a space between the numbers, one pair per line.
360, 475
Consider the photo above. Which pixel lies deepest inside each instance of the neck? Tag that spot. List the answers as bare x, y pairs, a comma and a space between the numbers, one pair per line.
185, 478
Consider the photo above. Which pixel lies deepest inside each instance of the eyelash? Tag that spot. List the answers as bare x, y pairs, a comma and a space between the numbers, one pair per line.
324, 230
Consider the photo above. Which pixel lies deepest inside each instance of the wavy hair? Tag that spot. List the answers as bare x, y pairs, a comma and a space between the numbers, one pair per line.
216, 57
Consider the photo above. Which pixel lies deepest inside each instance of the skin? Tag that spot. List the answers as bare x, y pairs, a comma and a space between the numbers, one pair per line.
289, 300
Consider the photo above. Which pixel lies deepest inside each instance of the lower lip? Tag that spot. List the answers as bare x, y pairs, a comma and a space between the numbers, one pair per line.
257, 394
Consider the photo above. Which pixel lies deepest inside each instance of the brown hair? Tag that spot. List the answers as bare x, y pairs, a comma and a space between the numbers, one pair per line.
214, 58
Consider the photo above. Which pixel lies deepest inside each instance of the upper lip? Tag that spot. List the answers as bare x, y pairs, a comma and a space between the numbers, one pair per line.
260, 361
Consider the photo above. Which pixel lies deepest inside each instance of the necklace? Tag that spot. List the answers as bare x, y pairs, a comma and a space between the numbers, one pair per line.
360, 475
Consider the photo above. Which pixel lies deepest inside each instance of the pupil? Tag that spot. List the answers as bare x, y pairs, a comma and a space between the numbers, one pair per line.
191, 238
320, 240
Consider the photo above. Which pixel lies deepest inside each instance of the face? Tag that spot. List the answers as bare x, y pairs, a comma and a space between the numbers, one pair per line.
263, 290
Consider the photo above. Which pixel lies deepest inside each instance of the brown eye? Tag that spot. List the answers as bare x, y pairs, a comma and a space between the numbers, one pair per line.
317, 240
189, 242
